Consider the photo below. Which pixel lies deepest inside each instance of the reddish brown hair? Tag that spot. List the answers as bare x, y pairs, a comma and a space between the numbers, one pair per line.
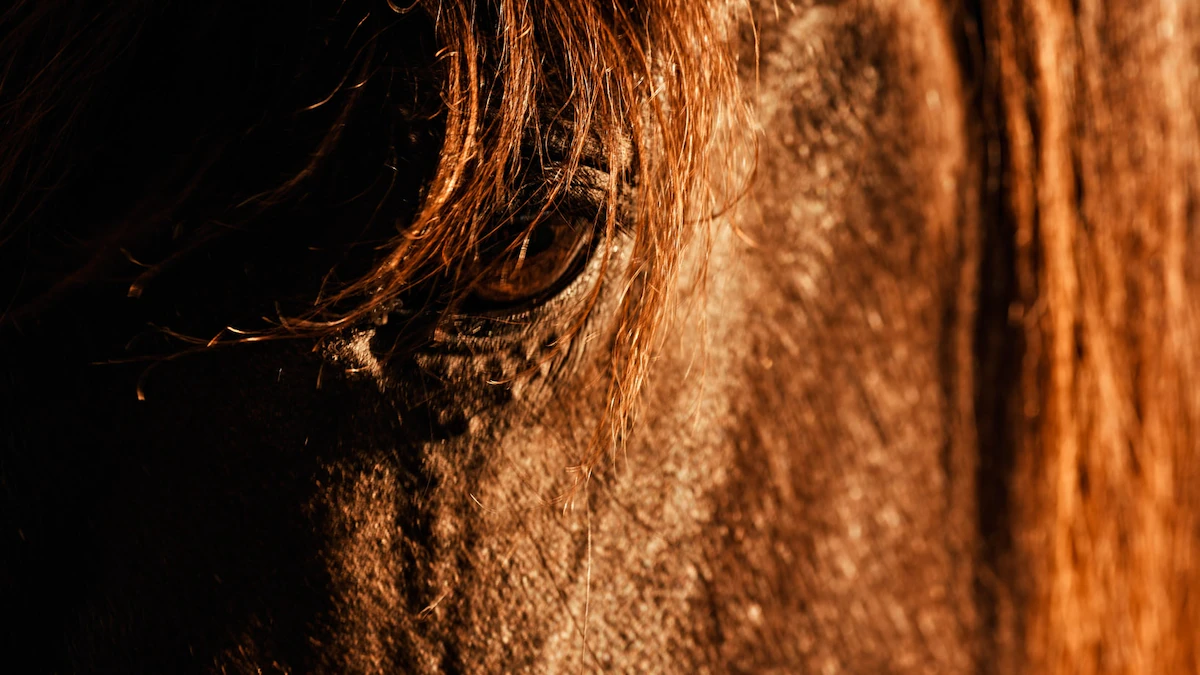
1099, 107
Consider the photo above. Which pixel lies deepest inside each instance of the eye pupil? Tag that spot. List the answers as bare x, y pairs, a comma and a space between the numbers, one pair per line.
541, 240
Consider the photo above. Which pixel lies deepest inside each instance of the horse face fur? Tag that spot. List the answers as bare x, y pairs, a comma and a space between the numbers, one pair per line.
795, 491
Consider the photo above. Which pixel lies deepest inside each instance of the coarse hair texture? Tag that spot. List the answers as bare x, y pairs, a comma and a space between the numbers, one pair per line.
1099, 106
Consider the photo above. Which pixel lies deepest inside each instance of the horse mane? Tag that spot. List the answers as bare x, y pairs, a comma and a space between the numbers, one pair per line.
1100, 179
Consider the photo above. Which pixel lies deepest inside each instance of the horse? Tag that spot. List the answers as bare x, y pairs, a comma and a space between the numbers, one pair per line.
829, 336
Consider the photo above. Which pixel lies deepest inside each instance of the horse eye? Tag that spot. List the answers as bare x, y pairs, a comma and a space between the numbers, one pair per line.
541, 263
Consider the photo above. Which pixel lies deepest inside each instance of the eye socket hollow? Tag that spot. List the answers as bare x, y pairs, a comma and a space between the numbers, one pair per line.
546, 258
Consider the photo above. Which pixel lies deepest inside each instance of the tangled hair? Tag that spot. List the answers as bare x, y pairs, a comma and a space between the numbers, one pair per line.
1099, 113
